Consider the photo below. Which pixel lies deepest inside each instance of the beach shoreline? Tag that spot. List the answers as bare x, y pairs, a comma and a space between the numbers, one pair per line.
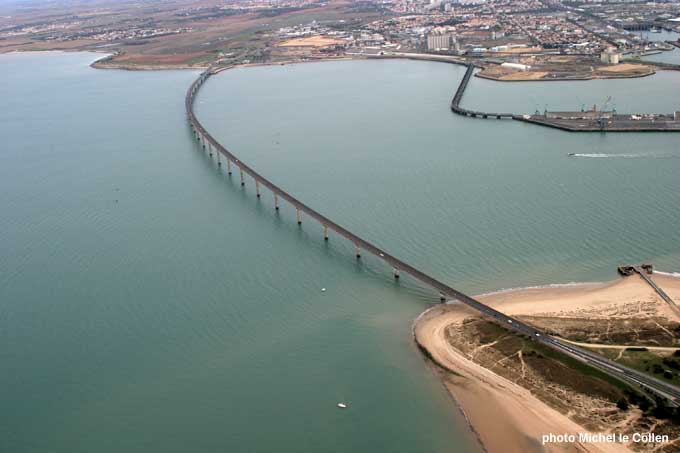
502, 414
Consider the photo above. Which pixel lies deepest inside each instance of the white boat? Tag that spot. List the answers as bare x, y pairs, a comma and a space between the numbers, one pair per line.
342, 405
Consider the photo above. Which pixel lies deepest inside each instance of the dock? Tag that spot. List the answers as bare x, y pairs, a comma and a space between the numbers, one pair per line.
613, 123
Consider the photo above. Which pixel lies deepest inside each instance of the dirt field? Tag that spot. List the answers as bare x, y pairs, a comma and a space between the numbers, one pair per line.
564, 68
519, 50
201, 31
312, 41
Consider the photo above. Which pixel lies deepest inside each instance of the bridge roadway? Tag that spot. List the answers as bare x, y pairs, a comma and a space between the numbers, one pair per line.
455, 102
633, 377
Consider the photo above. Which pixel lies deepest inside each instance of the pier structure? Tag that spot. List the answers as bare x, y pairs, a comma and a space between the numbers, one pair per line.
664, 390
645, 271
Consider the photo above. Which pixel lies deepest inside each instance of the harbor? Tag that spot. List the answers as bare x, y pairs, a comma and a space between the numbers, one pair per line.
593, 120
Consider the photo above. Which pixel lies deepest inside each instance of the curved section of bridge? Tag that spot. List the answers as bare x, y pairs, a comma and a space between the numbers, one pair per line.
455, 102
633, 377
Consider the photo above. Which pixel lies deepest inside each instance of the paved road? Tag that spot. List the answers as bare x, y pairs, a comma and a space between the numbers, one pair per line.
623, 373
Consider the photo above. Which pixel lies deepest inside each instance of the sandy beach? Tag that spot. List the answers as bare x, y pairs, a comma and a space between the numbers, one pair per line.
506, 416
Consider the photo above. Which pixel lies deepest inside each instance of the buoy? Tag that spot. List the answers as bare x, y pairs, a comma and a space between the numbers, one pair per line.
342, 405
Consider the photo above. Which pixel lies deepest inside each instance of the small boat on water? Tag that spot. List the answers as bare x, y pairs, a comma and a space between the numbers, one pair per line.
571, 154
342, 405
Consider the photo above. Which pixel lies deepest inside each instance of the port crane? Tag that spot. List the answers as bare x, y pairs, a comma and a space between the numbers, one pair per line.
601, 120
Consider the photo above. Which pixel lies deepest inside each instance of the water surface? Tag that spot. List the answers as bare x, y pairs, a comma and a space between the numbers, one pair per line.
150, 304
147, 304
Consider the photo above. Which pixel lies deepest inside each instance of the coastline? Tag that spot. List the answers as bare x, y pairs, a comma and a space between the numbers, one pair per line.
502, 414
101, 63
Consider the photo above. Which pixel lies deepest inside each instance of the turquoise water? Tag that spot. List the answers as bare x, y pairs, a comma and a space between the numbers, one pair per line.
481, 204
148, 303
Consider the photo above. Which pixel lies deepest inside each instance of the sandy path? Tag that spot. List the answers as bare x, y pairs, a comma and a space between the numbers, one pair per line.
622, 346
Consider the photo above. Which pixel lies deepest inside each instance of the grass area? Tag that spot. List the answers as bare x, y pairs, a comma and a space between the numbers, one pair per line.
579, 366
665, 367
648, 332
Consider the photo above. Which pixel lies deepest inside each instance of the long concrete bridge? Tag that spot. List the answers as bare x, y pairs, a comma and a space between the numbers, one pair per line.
635, 378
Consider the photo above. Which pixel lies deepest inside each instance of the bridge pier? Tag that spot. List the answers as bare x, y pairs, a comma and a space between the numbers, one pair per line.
396, 273
276, 201
229, 166
209, 148
257, 188
325, 232
219, 164
240, 170
299, 216
442, 298
358, 251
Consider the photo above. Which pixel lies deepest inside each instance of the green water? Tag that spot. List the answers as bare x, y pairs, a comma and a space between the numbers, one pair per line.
148, 303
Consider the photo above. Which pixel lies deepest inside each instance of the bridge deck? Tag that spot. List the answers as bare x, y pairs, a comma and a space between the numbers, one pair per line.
625, 374
455, 102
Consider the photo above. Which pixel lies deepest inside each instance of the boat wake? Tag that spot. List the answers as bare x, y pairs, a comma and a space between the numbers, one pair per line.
625, 156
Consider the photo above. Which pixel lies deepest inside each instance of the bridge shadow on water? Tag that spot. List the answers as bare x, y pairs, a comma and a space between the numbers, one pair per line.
284, 220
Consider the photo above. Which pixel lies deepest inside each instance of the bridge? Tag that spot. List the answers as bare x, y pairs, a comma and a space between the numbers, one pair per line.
628, 375
455, 102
